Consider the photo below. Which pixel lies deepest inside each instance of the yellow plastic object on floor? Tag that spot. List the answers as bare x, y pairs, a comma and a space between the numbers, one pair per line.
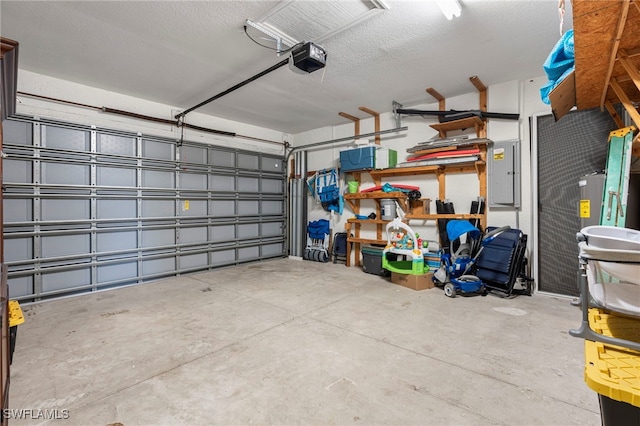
613, 371
15, 313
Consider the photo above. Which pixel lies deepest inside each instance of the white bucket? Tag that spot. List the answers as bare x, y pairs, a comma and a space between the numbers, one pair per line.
387, 209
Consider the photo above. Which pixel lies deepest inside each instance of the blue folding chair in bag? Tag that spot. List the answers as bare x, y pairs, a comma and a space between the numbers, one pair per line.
318, 234
327, 190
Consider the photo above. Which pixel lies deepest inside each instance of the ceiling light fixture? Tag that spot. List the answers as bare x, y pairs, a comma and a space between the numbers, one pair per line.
449, 8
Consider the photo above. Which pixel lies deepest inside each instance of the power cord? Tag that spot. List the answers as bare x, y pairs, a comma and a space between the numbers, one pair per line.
269, 47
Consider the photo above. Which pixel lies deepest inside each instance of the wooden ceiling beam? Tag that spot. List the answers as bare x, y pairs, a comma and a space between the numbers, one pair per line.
614, 52
441, 101
626, 102
356, 122
629, 67
614, 114
376, 120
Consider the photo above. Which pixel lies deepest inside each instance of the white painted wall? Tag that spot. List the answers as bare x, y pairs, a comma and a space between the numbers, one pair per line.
38, 84
514, 96
521, 97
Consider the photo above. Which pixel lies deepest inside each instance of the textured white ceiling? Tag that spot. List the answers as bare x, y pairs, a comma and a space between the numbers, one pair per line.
182, 52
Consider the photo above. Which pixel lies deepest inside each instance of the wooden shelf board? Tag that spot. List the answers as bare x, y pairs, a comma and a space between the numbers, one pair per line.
366, 240
369, 221
409, 171
465, 123
375, 195
443, 216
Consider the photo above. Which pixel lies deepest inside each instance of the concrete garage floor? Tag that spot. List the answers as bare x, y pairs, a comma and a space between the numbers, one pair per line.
290, 342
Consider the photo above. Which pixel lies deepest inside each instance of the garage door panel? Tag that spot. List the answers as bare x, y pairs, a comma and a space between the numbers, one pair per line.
64, 174
158, 150
248, 253
17, 171
222, 158
116, 145
248, 208
117, 272
275, 249
17, 133
158, 208
193, 235
20, 286
158, 179
193, 154
116, 176
18, 249
64, 209
105, 208
54, 281
158, 238
189, 261
65, 138
194, 181
222, 233
272, 207
121, 208
116, 241
158, 266
65, 245
222, 183
223, 257
271, 186
223, 208
248, 161
17, 210
248, 184
195, 208
248, 231
272, 229
271, 164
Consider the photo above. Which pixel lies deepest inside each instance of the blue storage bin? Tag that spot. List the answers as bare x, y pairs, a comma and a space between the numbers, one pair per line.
362, 158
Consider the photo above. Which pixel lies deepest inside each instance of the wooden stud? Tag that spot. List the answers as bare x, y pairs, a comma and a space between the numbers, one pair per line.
356, 122
621, 23
614, 114
441, 101
442, 190
376, 118
623, 58
481, 131
626, 102
635, 147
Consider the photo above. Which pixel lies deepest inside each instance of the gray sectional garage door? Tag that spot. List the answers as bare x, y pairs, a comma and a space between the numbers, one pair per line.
87, 209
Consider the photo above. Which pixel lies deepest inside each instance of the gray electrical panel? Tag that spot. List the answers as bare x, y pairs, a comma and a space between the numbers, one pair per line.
590, 204
504, 174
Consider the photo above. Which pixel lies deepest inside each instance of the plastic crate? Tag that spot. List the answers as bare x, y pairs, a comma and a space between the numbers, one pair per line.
15, 319
614, 371
372, 261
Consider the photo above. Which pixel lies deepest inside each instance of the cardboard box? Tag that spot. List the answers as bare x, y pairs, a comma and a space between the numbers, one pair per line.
414, 282
563, 96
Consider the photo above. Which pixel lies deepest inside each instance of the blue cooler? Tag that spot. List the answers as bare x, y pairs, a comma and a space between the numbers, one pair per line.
355, 159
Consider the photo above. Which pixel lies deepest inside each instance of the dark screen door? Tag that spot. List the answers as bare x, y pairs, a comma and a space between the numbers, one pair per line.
568, 149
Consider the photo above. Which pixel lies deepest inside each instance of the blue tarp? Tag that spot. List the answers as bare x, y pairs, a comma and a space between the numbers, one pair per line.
559, 64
